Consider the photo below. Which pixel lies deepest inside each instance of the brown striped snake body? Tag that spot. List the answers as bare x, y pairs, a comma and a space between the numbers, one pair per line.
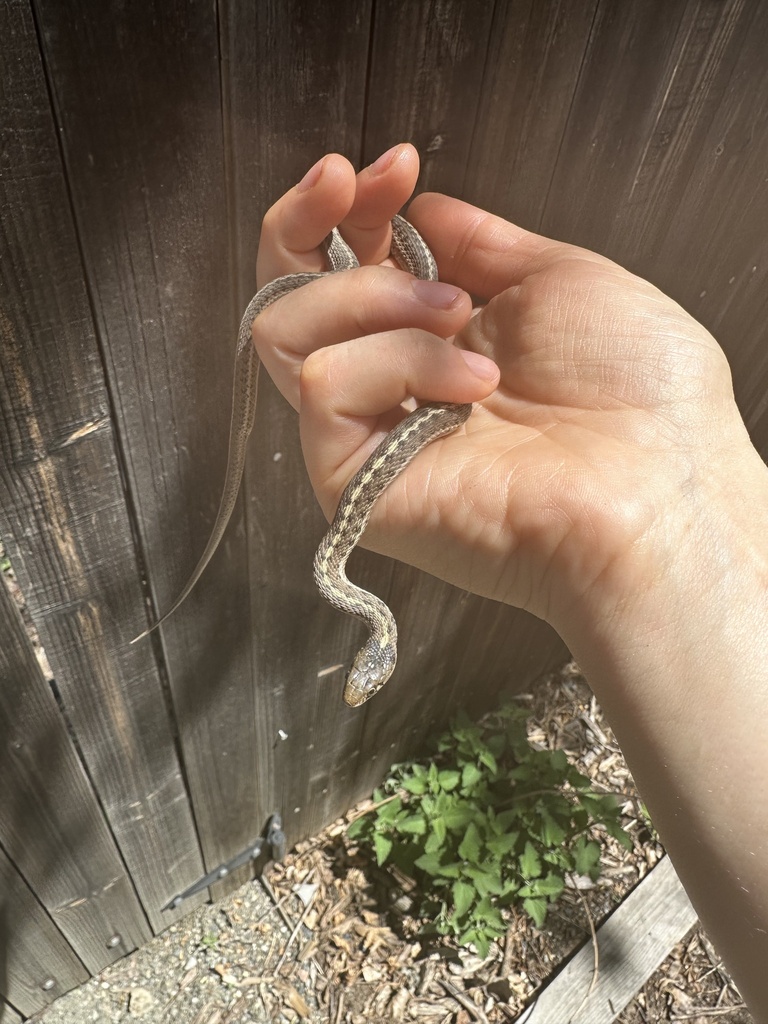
375, 662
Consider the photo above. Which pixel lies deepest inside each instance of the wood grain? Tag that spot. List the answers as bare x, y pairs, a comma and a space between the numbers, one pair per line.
635, 939
32, 949
668, 130
63, 513
530, 76
51, 825
8, 1015
297, 90
435, 52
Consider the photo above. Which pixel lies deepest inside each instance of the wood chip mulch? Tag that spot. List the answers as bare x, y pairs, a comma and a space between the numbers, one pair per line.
372, 966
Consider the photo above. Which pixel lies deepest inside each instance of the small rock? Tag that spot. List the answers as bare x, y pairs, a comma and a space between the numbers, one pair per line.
141, 1001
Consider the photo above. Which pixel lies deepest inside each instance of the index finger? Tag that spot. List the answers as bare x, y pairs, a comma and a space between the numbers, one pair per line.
297, 223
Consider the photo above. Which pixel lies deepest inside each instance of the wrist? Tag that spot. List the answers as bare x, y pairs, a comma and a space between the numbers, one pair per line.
699, 570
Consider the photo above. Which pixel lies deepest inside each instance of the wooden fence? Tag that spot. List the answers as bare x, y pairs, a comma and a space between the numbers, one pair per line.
140, 146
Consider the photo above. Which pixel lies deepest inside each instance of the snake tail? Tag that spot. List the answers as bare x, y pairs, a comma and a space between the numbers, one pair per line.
244, 391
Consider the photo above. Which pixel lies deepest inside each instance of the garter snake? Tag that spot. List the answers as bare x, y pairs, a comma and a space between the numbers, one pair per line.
375, 662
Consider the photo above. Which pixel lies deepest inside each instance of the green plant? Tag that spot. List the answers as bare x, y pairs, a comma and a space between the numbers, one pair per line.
488, 822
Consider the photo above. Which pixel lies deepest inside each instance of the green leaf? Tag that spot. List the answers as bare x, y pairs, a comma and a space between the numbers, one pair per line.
471, 844
536, 908
463, 897
505, 819
586, 856
459, 816
358, 826
388, 812
383, 846
558, 760
429, 863
552, 834
414, 825
476, 938
530, 863
487, 914
486, 757
470, 775
449, 779
439, 830
450, 870
432, 843
615, 830
599, 805
500, 846
550, 886
485, 881
510, 888
427, 806
415, 786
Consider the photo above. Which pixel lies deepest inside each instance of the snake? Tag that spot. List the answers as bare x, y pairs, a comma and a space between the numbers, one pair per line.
375, 662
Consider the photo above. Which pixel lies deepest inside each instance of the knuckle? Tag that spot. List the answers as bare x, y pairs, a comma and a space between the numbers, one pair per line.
269, 219
315, 378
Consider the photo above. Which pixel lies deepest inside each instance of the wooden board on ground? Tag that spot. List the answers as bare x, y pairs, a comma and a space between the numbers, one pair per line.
631, 943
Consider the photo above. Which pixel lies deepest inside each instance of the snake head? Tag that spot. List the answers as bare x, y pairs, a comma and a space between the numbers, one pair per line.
371, 668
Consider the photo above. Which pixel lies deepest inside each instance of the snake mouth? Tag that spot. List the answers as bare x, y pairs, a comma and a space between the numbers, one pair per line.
355, 699
358, 688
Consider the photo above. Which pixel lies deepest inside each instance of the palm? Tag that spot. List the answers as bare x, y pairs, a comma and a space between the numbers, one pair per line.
577, 453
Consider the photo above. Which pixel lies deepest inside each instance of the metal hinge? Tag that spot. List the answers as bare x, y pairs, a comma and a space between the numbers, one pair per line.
274, 839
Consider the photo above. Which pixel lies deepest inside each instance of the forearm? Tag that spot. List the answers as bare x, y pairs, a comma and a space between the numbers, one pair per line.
679, 668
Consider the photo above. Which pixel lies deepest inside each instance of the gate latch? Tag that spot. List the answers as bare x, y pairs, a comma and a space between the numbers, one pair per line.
274, 839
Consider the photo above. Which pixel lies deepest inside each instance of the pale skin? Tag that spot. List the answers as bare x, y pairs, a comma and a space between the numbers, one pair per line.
605, 482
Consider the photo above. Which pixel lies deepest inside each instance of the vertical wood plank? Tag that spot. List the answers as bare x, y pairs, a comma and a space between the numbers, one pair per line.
139, 101
32, 950
297, 87
63, 515
8, 1015
435, 53
660, 167
50, 823
530, 74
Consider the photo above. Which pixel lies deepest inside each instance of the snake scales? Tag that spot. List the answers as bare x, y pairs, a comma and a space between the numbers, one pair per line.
375, 662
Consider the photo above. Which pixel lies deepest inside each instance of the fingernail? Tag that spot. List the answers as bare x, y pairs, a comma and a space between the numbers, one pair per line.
481, 366
435, 293
380, 165
311, 177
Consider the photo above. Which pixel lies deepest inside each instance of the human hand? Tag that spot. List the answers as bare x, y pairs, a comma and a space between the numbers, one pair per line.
612, 412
